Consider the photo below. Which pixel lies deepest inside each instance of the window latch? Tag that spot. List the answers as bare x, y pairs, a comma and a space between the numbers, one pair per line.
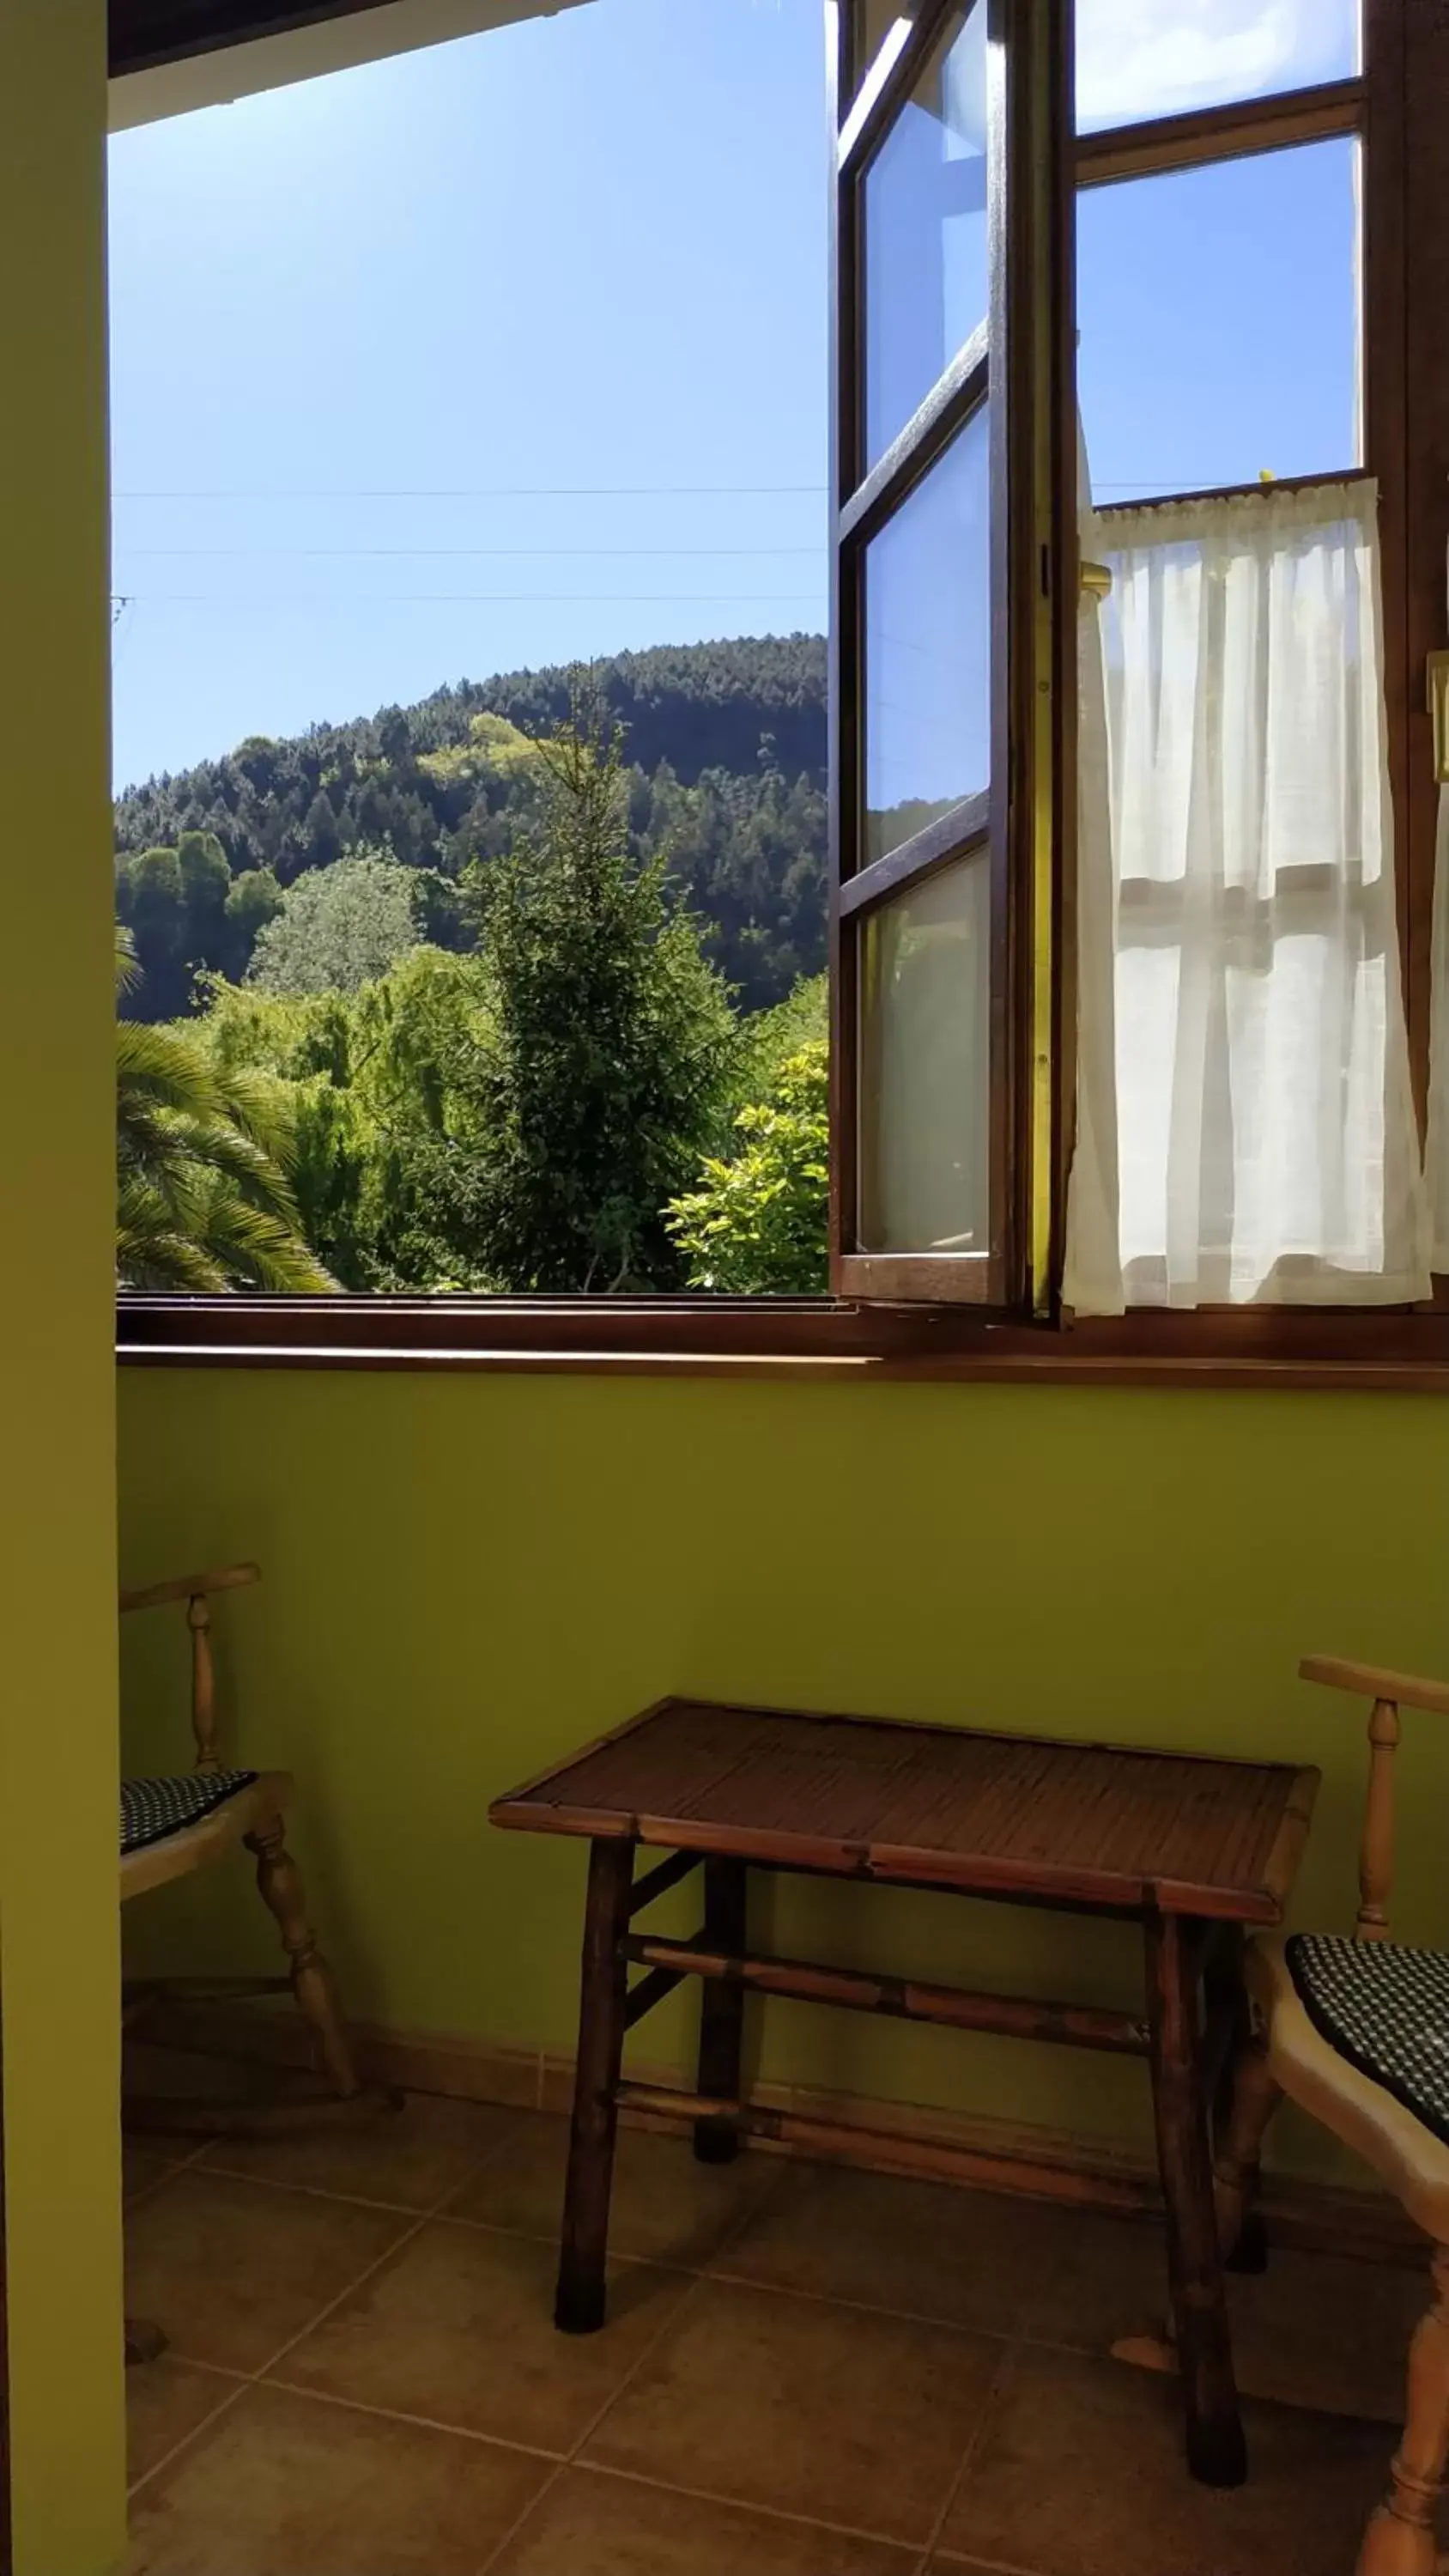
1097, 579
1437, 671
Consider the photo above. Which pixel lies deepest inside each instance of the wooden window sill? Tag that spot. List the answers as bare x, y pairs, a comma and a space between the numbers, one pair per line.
766, 1337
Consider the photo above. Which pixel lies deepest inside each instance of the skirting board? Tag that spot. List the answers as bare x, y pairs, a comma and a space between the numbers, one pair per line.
1318, 2218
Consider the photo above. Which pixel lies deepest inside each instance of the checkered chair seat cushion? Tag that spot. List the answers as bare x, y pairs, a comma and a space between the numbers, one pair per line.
153, 1810
1385, 2009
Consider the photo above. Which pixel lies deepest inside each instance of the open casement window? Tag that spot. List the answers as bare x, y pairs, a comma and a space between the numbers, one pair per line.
1234, 251
954, 562
963, 134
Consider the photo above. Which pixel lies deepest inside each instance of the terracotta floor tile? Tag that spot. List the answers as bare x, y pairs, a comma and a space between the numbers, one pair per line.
665, 2207
153, 2072
1106, 2277
920, 2248
285, 2487
148, 2069
166, 2400
460, 2330
802, 2407
1079, 2472
1096, 2277
231, 2271
1318, 2330
590, 2524
142, 2167
408, 2158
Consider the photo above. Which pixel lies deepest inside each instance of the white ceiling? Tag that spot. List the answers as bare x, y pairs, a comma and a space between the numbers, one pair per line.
365, 36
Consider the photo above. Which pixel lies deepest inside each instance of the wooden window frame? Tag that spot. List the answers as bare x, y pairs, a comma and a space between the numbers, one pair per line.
1013, 362
865, 112
1397, 106
1401, 105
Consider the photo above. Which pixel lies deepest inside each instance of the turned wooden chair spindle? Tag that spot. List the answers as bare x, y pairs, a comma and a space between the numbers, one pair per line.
203, 1684
1356, 2031
174, 1825
1376, 1851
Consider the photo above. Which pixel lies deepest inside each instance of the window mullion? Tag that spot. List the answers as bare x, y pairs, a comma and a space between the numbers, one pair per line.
1224, 133
952, 836
949, 404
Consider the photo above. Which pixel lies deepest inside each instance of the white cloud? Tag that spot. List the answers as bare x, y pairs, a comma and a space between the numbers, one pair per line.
1139, 58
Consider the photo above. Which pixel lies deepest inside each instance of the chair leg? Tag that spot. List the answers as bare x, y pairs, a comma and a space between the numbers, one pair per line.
1400, 2538
1237, 2164
280, 1883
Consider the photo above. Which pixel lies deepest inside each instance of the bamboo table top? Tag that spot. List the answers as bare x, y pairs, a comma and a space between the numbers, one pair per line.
1094, 1824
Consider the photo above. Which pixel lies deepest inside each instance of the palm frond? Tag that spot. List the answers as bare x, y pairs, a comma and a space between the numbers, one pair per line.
203, 1156
261, 1107
128, 970
165, 1066
211, 1145
253, 1245
151, 1252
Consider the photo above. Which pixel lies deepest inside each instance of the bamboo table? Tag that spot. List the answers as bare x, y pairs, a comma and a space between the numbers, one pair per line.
1192, 1848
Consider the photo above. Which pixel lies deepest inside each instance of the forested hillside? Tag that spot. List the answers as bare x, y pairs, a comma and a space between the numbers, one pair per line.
725, 751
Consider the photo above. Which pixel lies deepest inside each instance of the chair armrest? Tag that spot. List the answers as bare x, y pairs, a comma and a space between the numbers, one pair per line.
191, 1587
1370, 1681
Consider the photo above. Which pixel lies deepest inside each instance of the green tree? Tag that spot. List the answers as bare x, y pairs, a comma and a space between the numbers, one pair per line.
152, 906
756, 1224
769, 1038
320, 830
727, 743
255, 899
205, 886
338, 927
384, 1135
203, 1198
611, 1046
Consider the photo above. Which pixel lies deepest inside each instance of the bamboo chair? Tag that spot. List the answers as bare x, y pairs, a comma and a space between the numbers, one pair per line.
1356, 2031
172, 1826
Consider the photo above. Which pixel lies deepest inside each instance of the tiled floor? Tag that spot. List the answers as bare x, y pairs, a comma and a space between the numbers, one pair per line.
806, 2373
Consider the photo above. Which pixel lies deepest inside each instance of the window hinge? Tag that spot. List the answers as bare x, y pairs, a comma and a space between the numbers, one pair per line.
1097, 579
1437, 673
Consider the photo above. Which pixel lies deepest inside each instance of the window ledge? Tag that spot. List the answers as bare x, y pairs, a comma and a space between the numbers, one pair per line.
766, 1337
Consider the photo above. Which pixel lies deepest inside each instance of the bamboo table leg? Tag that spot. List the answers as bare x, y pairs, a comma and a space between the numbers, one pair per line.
579, 2304
1215, 2448
1227, 1992
721, 2009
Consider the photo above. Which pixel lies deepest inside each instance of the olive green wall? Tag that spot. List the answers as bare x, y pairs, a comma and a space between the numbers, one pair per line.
57, 1535
467, 1574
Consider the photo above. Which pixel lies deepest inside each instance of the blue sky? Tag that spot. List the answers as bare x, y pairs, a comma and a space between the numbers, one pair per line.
514, 351
585, 252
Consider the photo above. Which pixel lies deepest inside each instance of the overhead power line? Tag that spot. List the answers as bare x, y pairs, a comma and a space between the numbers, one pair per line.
462, 554
484, 492
487, 598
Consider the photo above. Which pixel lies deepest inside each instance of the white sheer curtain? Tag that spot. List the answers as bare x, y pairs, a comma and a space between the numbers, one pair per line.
1245, 1124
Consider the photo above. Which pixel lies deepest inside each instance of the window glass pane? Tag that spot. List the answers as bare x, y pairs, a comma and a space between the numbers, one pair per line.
1141, 58
928, 648
925, 1065
1218, 312
925, 232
